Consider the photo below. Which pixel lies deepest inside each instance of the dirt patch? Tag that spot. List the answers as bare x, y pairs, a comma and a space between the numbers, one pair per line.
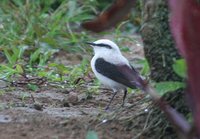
21, 120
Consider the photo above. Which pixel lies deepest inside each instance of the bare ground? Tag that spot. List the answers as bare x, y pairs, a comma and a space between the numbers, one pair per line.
60, 114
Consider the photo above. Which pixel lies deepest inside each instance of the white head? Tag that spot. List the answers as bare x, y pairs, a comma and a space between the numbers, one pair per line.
104, 46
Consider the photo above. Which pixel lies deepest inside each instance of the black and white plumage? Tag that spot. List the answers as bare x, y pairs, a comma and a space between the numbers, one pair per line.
113, 69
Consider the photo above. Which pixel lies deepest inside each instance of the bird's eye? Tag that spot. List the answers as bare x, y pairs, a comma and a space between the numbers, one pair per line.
104, 45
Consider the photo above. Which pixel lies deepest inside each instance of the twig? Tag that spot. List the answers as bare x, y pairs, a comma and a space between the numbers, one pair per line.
32, 97
142, 132
147, 120
147, 128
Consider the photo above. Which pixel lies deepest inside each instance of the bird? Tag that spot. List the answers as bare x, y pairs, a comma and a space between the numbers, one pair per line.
113, 70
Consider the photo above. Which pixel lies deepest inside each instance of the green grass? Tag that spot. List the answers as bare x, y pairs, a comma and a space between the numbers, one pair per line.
36, 23
32, 31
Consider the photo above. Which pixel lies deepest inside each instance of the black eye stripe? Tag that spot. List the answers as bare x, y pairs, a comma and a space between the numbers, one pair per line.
104, 45
99, 44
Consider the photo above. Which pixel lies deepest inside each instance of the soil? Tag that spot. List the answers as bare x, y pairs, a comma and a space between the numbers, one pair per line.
53, 113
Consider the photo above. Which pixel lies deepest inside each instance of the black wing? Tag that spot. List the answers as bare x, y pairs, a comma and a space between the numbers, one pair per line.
120, 73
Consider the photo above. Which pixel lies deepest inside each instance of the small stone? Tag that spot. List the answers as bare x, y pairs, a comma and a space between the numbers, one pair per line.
64, 123
38, 106
146, 110
104, 121
66, 103
23, 134
72, 97
2, 84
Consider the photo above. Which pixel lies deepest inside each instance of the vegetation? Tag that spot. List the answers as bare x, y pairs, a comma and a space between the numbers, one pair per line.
33, 33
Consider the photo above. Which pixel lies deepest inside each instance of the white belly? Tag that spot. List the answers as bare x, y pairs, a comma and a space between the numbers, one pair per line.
105, 80
109, 82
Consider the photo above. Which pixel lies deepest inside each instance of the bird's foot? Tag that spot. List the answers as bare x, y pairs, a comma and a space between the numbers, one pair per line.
107, 108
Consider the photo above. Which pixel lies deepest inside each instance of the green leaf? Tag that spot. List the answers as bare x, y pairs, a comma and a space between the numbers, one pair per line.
91, 135
19, 69
8, 56
168, 86
49, 40
34, 56
21, 51
190, 118
16, 52
39, 30
7, 68
125, 49
72, 8
81, 17
32, 87
180, 68
6, 71
145, 67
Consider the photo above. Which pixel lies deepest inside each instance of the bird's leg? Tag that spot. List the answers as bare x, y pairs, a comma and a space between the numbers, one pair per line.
124, 97
107, 107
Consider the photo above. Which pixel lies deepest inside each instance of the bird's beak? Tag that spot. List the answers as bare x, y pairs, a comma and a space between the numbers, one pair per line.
91, 43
